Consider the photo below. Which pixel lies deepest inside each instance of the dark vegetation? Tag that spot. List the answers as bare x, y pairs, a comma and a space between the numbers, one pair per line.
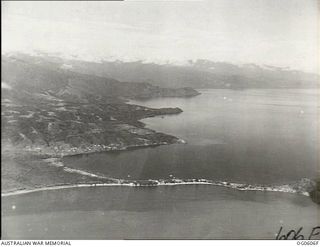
51, 112
315, 193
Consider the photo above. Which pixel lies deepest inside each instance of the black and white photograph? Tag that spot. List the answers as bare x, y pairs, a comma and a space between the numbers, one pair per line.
160, 120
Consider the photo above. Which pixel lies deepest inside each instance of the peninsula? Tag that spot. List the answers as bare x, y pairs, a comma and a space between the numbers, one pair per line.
49, 112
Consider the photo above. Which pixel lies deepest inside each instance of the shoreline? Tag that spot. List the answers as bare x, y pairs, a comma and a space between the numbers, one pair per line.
156, 183
126, 148
52, 155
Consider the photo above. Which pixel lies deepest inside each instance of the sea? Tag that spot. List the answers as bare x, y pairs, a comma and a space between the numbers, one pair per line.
256, 137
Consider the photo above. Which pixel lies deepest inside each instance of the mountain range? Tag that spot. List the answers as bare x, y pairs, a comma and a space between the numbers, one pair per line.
193, 74
53, 107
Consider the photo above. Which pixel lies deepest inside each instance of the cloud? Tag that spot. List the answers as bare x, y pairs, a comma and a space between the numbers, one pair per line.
250, 32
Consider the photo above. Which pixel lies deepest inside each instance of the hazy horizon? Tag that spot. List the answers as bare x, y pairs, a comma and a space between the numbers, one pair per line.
278, 33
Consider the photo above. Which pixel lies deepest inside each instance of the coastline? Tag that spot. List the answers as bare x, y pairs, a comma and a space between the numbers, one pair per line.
125, 148
28, 167
162, 182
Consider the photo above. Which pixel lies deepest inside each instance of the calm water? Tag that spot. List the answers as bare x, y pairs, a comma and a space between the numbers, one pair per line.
190, 212
252, 136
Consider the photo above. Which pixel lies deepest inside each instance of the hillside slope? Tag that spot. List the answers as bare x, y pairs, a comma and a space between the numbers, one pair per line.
194, 74
60, 112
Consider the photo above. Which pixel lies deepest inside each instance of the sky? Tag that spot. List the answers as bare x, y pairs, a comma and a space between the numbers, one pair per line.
282, 33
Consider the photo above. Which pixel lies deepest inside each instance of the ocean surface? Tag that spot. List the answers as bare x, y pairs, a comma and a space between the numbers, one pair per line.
257, 137
251, 136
